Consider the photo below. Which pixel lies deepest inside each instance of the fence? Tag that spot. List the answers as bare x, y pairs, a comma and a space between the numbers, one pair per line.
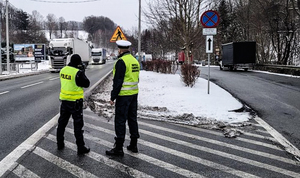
16, 67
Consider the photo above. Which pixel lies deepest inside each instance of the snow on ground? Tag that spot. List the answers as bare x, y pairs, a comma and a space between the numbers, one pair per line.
25, 68
167, 90
164, 97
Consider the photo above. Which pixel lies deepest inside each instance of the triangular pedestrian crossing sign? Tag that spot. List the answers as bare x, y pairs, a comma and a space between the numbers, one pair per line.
118, 35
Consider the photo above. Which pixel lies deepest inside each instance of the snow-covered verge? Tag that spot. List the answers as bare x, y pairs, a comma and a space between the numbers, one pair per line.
164, 97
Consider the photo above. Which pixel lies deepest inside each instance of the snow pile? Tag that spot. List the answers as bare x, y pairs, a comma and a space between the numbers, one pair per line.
164, 97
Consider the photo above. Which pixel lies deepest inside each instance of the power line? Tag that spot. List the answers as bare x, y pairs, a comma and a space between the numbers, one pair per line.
79, 1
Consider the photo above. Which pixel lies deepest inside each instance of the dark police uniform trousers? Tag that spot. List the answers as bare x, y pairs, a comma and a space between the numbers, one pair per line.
67, 109
126, 109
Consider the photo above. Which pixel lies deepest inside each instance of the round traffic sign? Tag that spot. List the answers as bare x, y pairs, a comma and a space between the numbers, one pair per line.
210, 19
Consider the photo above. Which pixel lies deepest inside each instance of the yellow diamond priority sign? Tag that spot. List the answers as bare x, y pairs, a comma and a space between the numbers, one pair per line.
118, 35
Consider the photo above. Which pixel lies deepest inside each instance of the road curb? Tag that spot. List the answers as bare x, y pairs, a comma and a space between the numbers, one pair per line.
19, 75
89, 92
289, 147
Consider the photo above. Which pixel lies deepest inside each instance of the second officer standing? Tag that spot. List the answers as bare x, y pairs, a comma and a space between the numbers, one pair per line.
125, 92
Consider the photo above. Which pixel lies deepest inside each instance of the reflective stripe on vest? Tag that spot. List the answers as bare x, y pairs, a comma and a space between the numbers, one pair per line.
130, 83
69, 90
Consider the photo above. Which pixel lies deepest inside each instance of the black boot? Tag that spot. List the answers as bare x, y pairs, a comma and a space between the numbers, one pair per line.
118, 149
133, 145
60, 146
82, 150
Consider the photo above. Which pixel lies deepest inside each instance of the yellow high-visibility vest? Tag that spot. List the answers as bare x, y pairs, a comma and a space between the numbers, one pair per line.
131, 79
69, 90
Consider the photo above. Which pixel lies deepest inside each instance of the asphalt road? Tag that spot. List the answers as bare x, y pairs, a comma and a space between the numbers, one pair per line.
165, 150
275, 98
27, 103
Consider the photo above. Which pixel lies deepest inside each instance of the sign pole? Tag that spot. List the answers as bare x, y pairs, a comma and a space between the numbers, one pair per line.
209, 50
208, 72
209, 19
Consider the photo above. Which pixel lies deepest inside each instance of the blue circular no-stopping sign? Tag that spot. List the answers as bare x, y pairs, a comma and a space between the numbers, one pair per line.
210, 19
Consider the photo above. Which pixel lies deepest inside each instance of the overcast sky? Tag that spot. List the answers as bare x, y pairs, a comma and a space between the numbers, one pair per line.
122, 12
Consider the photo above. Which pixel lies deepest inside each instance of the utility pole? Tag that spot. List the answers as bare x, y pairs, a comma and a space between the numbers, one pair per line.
7, 40
1, 41
139, 38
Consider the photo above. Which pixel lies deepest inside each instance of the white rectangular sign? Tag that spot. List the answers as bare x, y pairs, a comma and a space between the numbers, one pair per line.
209, 44
209, 31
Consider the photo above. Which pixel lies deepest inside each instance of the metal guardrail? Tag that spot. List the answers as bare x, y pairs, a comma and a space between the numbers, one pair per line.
283, 69
279, 66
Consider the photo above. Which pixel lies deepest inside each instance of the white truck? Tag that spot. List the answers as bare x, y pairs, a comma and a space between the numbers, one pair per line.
60, 51
98, 56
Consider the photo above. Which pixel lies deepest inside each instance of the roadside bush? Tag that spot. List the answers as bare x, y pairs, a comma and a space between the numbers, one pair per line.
189, 74
158, 65
148, 65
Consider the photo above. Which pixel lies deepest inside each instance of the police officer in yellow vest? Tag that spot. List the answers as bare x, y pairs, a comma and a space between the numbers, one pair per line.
125, 92
72, 79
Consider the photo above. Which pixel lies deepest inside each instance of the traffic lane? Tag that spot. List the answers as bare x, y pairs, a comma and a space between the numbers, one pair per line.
16, 83
293, 81
33, 101
96, 72
26, 111
275, 98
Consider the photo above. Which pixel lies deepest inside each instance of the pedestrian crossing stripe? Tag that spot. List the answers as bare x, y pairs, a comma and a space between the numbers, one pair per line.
118, 35
260, 160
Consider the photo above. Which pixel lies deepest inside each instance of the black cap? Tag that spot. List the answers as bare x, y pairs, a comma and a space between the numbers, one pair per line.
76, 59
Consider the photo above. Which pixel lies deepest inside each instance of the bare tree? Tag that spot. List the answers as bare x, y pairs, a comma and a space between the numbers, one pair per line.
281, 28
51, 24
178, 22
62, 25
35, 28
73, 27
99, 29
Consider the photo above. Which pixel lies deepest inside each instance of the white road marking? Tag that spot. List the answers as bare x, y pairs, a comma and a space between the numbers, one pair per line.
23, 172
73, 169
238, 138
181, 154
4, 92
144, 157
32, 85
259, 136
10, 161
224, 154
54, 78
205, 149
262, 131
103, 159
239, 148
283, 141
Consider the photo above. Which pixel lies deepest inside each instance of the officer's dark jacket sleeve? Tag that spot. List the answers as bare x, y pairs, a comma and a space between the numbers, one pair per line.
118, 79
82, 80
